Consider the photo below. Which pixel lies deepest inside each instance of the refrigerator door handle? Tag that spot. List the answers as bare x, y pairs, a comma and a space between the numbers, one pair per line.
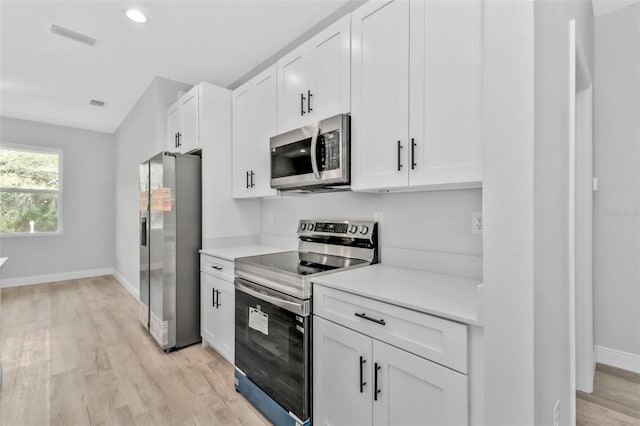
143, 232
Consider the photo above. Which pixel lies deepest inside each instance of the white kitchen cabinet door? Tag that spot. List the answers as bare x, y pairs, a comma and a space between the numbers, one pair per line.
211, 318
226, 302
293, 86
189, 133
380, 95
254, 122
173, 127
330, 71
414, 391
217, 304
445, 92
338, 398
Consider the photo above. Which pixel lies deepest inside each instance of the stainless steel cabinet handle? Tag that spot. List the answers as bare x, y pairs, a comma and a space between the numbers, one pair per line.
364, 316
252, 175
302, 98
362, 383
309, 109
399, 149
179, 143
217, 299
217, 268
247, 175
213, 297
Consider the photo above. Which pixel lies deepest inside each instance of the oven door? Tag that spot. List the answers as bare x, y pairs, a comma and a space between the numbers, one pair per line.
273, 344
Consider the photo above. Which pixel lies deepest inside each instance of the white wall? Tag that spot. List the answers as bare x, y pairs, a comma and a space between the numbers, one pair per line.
87, 241
508, 148
617, 165
438, 221
140, 136
553, 361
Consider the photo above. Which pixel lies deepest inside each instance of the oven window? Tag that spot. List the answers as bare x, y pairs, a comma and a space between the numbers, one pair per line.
276, 361
292, 159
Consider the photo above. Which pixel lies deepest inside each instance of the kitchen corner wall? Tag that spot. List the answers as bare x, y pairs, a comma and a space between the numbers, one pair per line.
140, 136
85, 246
435, 221
617, 202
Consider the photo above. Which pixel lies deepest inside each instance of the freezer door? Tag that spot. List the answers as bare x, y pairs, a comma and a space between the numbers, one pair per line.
144, 225
162, 245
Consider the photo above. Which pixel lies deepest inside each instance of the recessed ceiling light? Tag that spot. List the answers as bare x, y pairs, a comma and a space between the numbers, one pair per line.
136, 16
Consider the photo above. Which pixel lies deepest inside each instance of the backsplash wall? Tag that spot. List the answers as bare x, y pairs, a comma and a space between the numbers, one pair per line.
434, 221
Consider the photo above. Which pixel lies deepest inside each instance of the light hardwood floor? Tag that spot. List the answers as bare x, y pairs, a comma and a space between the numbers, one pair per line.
615, 400
74, 353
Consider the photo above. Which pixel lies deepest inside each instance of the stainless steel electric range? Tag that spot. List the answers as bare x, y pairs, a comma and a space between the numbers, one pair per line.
273, 313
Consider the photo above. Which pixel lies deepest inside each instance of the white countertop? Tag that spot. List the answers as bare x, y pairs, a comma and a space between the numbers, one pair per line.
446, 296
232, 253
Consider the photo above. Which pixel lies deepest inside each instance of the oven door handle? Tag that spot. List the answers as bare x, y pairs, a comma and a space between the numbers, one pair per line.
314, 145
300, 308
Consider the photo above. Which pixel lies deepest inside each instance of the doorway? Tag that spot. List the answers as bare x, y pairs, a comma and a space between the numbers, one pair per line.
581, 186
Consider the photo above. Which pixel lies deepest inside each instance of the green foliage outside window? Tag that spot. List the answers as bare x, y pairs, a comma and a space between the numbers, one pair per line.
29, 190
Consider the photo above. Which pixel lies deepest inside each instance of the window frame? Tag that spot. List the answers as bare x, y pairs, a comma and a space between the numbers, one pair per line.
39, 150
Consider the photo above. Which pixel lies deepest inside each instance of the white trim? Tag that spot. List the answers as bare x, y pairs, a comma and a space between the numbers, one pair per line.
620, 359
48, 278
571, 255
135, 292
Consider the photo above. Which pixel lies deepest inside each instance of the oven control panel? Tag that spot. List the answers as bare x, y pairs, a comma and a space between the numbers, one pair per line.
339, 228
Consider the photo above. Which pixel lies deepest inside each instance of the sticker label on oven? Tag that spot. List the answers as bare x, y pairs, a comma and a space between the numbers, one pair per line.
258, 320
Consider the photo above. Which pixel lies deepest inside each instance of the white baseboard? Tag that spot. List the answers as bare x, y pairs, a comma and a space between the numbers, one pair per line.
39, 279
135, 292
615, 358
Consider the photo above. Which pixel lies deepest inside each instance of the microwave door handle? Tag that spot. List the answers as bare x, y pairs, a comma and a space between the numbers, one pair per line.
314, 144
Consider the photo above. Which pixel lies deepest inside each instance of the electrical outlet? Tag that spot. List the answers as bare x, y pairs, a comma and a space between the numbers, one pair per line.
556, 414
476, 222
378, 217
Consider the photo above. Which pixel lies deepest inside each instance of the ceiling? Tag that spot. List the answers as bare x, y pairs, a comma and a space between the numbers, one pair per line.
600, 7
51, 79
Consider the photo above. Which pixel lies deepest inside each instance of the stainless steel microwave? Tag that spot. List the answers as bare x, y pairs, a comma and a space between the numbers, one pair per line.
314, 157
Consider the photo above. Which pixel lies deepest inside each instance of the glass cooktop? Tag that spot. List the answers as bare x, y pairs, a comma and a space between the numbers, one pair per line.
301, 263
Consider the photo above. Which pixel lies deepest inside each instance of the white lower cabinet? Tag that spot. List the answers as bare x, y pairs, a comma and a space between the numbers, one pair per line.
217, 308
359, 380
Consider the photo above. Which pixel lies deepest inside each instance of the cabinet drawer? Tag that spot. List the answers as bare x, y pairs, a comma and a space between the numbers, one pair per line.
217, 267
433, 338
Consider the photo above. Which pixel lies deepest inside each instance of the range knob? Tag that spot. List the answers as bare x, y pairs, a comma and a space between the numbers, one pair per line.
310, 227
303, 226
364, 229
353, 229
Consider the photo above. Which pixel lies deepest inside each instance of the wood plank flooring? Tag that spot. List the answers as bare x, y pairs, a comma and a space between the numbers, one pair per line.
615, 399
74, 353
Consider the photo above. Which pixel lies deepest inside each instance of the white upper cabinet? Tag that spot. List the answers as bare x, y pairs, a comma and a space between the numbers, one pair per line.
417, 86
314, 80
379, 120
254, 122
445, 120
183, 123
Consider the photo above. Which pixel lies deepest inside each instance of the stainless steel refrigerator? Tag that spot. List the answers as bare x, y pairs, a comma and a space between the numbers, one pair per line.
170, 240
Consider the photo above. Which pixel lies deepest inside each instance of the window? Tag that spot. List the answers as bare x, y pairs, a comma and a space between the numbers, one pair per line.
30, 190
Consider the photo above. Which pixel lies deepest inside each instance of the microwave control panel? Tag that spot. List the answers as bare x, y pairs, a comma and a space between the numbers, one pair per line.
329, 146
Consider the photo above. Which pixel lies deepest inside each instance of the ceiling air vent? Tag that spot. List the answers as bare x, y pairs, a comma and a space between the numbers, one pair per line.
96, 103
72, 35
